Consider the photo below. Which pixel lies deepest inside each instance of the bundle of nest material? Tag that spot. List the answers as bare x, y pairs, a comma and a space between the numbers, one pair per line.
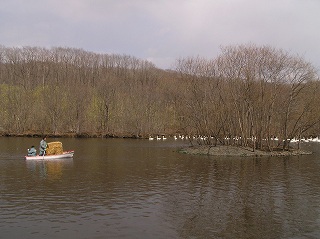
54, 148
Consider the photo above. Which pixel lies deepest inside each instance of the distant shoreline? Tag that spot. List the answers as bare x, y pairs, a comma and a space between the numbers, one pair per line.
71, 135
220, 150
239, 151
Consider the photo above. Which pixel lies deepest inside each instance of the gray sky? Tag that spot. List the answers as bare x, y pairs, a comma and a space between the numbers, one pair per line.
163, 30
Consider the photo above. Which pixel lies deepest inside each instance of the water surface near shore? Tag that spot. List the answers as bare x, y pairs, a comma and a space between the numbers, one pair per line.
125, 188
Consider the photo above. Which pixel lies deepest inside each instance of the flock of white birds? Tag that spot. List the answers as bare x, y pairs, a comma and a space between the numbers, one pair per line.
181, 137
199, 137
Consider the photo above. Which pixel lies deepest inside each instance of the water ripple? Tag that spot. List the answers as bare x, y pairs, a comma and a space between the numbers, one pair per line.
151, 192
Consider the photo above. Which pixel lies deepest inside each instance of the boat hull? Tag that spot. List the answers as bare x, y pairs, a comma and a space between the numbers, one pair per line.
68, 154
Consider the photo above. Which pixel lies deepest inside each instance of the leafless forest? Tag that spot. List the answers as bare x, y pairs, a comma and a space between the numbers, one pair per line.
245, 96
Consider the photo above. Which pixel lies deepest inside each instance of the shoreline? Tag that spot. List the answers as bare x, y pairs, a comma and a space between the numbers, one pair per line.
238, 151
209, 150
72, 135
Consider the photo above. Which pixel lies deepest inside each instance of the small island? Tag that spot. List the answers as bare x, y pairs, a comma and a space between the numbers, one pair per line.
222, 150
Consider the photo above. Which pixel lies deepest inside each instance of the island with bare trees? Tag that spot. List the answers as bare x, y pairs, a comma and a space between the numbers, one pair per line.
244, 97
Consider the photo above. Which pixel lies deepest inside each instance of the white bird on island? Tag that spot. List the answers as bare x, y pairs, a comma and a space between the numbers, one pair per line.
316, 139
164, 137
158, 138
175, 137
151, 138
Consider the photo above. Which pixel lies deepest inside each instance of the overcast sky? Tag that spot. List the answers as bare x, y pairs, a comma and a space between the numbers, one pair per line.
163, 30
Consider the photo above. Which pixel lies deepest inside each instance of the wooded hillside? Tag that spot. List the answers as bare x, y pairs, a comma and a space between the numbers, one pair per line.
246, 95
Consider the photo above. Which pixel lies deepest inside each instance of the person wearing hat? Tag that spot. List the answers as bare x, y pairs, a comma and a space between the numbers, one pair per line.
32, 151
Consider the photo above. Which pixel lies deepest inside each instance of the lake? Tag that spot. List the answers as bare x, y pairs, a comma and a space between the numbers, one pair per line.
133, 188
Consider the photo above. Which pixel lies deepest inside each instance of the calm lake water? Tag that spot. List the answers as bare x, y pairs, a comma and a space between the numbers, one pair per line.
125, 188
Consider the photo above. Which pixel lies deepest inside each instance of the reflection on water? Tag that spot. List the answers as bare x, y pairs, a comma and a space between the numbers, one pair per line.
51, 169
116, 188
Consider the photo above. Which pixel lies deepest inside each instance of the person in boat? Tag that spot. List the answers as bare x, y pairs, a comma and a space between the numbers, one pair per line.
43, 146
32, 151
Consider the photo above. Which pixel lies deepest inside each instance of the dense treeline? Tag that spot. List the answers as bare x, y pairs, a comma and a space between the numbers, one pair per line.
250, 95
66, 90
245, 96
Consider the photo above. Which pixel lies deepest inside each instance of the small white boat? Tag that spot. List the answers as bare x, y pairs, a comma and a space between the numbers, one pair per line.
67, 154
